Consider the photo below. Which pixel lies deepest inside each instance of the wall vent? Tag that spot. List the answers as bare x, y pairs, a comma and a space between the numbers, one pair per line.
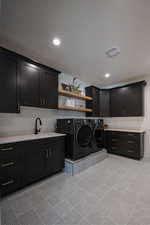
113, 52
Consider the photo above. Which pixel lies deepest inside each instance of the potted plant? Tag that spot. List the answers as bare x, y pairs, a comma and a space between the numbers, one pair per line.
75, 87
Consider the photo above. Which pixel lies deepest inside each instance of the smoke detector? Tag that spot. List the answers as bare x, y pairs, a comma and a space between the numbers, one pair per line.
113, 52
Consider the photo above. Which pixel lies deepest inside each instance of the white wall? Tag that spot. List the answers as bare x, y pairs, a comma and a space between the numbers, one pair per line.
23, 123
136, 122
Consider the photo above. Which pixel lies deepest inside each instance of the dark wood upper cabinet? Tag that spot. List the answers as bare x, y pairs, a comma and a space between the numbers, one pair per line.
118, 102
39, 87
135, 100
94, 104
49, 89
29, 80
104, 103
100, 103
9, 102
127, 100
124, 101
25, 82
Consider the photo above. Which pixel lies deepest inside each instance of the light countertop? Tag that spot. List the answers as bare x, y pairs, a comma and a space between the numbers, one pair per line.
20, 138
125, 130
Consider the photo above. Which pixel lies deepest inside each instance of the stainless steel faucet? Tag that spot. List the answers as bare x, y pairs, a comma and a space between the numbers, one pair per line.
38, 126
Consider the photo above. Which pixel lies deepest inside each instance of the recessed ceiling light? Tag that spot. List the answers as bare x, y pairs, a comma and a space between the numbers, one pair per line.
56, 41
107, 75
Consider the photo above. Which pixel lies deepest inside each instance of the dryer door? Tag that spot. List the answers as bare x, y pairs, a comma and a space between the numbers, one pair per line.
84, 136
98, 136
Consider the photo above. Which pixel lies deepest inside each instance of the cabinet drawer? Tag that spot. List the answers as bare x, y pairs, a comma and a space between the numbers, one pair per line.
130, 152
132, 142
8, 168
134, 145
9, 184
116, 149
115, 134
9, 152
133, 136
115, 139
124, 137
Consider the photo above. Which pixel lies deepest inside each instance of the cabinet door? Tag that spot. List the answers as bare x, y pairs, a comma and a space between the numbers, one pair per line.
104, 103
118, 102
49, 89
55, 155
127, 101
34, 161
134, 100
58, 154
29, 84
8, 85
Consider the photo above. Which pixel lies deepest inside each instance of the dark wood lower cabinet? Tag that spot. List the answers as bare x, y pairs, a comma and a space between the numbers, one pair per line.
25, 162
127, 144
54, 156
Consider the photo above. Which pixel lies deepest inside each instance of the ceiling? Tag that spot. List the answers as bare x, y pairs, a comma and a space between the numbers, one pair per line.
87, 29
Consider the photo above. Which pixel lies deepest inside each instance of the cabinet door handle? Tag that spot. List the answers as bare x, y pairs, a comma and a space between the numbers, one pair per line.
132, 135
7, 164
43, 101
113, 139
131, 142
7, 149
18, 106
50, 152
46, 153
130, 151
7, 183
40, 101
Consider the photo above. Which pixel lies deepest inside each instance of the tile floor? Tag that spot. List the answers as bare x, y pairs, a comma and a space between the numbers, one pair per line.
115, 191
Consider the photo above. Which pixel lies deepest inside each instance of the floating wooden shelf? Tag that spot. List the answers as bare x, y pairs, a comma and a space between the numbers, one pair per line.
63, 107
75, 95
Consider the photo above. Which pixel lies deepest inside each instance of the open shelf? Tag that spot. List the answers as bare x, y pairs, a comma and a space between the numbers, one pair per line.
75, 95
80, 109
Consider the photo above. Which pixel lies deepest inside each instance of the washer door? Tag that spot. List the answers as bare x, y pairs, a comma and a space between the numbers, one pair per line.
84, 136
